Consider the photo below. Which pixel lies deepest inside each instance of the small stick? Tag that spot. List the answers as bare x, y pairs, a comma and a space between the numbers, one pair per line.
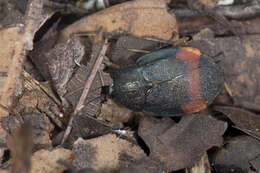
86, 89
101, 77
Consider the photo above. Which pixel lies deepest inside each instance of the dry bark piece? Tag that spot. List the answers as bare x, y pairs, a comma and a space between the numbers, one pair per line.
106, 153
183, 144
134, 17
44, 161
115, 113
240, 117
237, 154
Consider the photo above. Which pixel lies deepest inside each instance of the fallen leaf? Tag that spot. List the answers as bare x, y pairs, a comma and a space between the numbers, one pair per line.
183, 144
145, 165
115, 113
106, 153
239, 60
44, 161
128, 49
256, 163
240, 117
39, 96
146, 18
62, 61
237, 153
14, 44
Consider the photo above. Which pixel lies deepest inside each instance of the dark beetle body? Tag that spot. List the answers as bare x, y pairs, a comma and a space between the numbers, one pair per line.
169, 82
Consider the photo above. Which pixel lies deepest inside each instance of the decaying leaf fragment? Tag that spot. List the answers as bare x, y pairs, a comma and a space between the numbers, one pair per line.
128, 49
107, 153
237, 154
146, 18
183, 144
240, 117
115, 113
255, 163
145, 165
14, 44
44, 161
62, 59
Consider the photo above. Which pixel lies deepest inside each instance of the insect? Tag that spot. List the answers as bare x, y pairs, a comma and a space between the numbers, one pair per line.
169, 82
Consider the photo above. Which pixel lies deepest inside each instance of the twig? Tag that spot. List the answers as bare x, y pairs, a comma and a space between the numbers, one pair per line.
101, 77
240, 12
86, 90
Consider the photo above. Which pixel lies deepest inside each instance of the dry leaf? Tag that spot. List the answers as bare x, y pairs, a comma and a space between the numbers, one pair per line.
236, 154
44, 161
128, 49
145, 165
256, 163
183, 144
106, 153
146, 18
115, 113
14, 44
240, 117
239, 60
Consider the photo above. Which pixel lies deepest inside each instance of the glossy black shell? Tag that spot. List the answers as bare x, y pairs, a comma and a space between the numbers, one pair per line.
159, 83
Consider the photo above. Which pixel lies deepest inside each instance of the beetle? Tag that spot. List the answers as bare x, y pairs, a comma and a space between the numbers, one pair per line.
169, 82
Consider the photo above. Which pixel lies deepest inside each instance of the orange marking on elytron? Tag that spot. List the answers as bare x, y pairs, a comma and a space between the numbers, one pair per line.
191, 57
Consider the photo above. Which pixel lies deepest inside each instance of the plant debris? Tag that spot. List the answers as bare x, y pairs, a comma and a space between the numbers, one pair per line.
105, 153
189, 139
59, 67
133, 17
237, 154
241, 118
